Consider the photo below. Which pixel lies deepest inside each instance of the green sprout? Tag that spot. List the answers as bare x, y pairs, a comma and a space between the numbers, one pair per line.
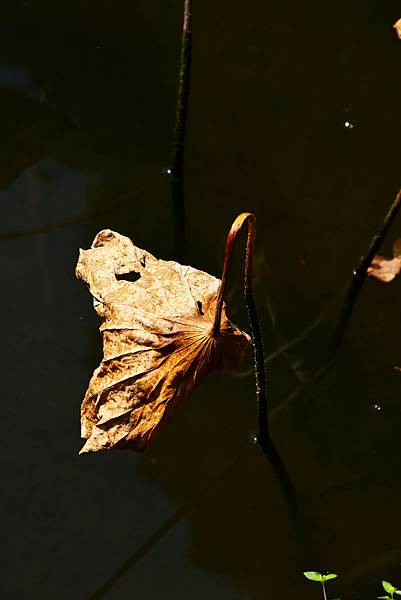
315, 576
390, 589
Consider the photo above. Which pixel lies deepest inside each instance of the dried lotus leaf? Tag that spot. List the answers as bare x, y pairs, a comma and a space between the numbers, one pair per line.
158, 341
385, 269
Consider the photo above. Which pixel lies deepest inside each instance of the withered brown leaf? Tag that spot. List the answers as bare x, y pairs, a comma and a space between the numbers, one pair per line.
158, 341
397, 27
386, 269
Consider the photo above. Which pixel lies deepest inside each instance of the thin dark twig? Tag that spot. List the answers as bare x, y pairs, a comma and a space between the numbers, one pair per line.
263, 436
300, 337
168, 524
301, 388
359, 274
140, 552
176, 171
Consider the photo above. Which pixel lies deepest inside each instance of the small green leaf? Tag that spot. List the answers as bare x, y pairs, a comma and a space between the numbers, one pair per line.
390, 589
313, 576
329, 576
383, 597
398, 592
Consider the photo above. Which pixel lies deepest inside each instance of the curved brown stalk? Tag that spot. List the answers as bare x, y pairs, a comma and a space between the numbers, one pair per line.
263, 436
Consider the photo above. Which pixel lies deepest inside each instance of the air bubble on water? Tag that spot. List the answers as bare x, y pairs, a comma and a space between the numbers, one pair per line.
348, 125
377, 407
253, 438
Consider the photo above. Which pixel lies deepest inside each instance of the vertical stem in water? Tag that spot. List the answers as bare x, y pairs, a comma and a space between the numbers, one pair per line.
359, 274
324, 591
257, 341
176, 171
263, 436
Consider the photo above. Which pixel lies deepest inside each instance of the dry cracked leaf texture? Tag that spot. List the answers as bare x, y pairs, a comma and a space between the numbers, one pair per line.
157, 341
386, 269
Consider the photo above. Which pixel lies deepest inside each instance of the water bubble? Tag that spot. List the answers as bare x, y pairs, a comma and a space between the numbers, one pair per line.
253, 438
377, 407
348, 125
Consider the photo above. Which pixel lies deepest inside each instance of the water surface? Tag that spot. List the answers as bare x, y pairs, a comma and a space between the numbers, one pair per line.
295, 116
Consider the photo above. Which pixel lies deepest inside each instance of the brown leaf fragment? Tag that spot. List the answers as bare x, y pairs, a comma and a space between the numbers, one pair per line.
397, 27
397, 248
157, 341
385, 269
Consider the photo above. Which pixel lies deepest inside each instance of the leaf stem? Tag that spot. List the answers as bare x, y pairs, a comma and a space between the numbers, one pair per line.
257, 341
176, 171
359, 274
324, 591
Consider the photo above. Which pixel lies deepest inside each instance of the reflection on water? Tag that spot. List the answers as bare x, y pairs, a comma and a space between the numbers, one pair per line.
294, 115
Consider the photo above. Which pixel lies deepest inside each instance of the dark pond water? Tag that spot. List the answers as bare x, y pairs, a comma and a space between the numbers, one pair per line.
295, 115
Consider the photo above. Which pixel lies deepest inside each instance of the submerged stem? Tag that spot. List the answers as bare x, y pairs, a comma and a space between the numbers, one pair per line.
257, 341
176, 170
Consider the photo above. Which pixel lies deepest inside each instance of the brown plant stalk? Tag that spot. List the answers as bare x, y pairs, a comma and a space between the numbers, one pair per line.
263, 436
360, 273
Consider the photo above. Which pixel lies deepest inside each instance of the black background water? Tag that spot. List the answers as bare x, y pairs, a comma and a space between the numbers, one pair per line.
295, 115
